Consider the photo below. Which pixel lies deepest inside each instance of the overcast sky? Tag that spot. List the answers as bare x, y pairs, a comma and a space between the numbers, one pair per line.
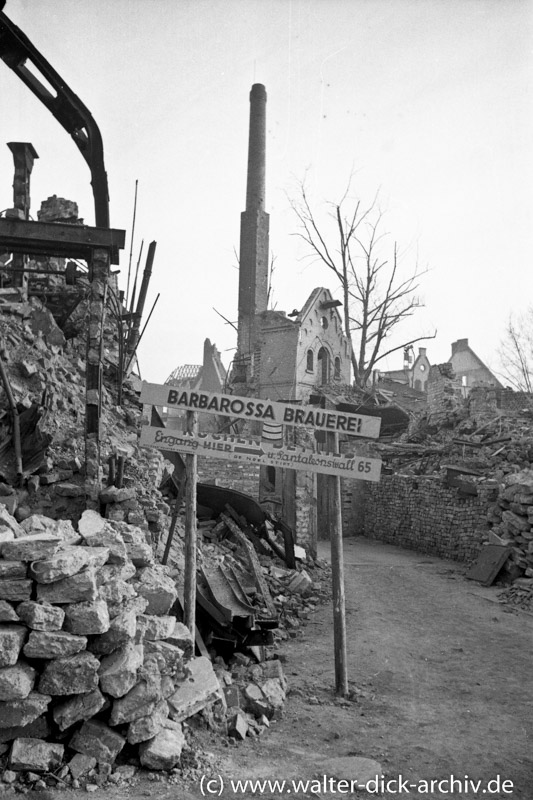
427, 101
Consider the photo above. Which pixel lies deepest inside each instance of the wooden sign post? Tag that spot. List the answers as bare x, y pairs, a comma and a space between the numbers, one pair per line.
234, 448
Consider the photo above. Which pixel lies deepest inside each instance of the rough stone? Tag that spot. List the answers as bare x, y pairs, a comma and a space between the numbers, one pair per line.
140, 553
41, 617
53, 644
65, 563
97, 557
116, 592
62, 528
113, 541
169, 658
81, 764
15, 713
83, 706
113, 494
8, 521
256, 702
121, 632
36, 755
182, 638
138, 702
147, 727
16, 682
158, 588
76, 589
6, 536
35, 547
90, 523
275, 695
196, 692
97, 740
13, 570
163, 752
12, 638
15, 590
237, 725
7, 612
39, 728
87, 618
112, 572
73, 675
155, 628
118, 671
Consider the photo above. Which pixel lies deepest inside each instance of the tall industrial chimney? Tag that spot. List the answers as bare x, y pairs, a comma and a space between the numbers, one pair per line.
253, 258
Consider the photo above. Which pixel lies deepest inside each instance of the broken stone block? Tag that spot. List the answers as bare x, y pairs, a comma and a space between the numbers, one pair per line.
116, 592
13, 570
97, 557
15, 590
6, 536
182, 638
87, 618
62, 528
301, 583
97, 740
144, 728
69, 489
238, 725
35, 755
83, 706
199, 689
118, 671
112, 494
67, 562
38, 729
275, 695
138, 702
76, 589
72, 675
112, 572
158, 588
8, 522
140, 554
7, 612
35, 547
41, 616
80, 765
163, 752
90, 523
256, 701
169, 658
12, 638
155, 628
113, 541
16, 682
233, 696
53, 644
15, 713
121, 632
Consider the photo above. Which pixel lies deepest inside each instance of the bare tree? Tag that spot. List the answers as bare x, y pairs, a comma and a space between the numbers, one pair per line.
376, 299
516, 352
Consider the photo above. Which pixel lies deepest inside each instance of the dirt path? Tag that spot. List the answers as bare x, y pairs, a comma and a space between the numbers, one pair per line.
442, 681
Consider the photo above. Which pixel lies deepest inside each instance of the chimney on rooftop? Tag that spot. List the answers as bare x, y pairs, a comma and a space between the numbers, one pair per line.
460, 344
253, 255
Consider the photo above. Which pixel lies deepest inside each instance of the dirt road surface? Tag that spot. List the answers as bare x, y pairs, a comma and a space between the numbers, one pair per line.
441, 685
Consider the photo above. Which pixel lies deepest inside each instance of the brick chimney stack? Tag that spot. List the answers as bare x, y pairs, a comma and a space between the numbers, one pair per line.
253, 258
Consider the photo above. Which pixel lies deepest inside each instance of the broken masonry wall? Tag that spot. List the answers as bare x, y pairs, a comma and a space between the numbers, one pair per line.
420, 513
230, 475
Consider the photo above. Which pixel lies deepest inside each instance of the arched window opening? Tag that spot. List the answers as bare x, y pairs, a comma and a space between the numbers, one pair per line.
310, 361
337, 372
324, 362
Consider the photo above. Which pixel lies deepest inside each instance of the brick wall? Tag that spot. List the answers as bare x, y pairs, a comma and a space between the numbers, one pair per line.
419, 513
230, 475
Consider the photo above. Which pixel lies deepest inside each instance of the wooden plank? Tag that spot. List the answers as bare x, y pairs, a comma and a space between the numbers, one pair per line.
337, 580
255, 566
60, 239
189, 584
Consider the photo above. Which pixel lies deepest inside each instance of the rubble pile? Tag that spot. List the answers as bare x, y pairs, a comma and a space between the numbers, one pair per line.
91, 661
520, 594
511, 518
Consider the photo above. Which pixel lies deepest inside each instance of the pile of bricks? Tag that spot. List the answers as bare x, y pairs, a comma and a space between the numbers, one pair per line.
511, 518
91, 661
520, 594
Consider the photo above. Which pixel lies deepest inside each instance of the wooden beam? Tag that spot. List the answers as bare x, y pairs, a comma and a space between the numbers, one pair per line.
189, 584
59, 239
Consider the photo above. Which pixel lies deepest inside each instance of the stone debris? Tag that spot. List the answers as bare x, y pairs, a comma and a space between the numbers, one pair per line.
35, 755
